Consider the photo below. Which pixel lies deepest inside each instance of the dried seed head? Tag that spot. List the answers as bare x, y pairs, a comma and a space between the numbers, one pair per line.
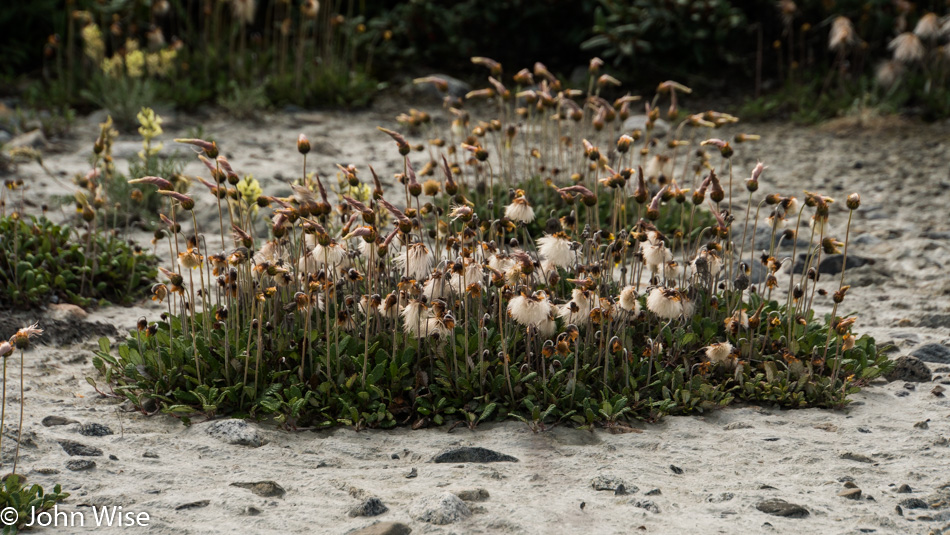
623, 144
854, 201
303, 144
838, 297
22, 337
595, 65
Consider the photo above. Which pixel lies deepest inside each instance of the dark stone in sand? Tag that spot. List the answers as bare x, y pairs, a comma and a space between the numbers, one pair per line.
193, 505
51, 421
472, 455
914, 503
81, 450
831, 265
909, 368
439, 509
904, 489
369, 507
382, 528
265, 489
782, 508
473, 495
95, 430
653, 492
851, 494
934, 321
852, 456
649, 505
78, 465
936, 353
612, 483
676, 469
234, 431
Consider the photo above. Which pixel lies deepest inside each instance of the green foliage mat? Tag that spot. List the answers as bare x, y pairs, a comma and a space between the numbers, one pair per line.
40, 259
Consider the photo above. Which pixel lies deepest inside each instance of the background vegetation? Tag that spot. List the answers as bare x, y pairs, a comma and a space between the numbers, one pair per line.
245, 55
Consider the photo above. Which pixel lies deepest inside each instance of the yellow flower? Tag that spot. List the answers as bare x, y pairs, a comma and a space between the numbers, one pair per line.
135, 63
151, 127
153, 63
93, 45
250, 190
112, 67
167, 63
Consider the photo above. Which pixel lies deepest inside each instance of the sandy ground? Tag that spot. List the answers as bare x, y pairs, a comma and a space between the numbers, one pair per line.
710, 470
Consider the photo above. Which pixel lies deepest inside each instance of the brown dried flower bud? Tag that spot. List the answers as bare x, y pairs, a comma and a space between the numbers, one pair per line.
853, 202
303, 144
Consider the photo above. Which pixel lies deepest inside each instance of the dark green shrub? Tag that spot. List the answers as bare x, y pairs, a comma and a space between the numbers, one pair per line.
40, 260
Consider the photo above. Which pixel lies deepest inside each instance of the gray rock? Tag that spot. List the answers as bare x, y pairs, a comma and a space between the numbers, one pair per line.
676, 469
382, 528
369, 507
909, 368
721, 497
904, 489
778, 507
737, 425
264, 489
33, 139
193, 505
472, 455
865, 239
95, 430
639, 122
935, 321
914, 503
150, 455
51, 421
472, 495
763, 241
852, 456
612, 483
569, 436
649, 505
78, 465
936, 353
81, 450
831, 264
851, 494
234, 431
439, 509
652, 492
